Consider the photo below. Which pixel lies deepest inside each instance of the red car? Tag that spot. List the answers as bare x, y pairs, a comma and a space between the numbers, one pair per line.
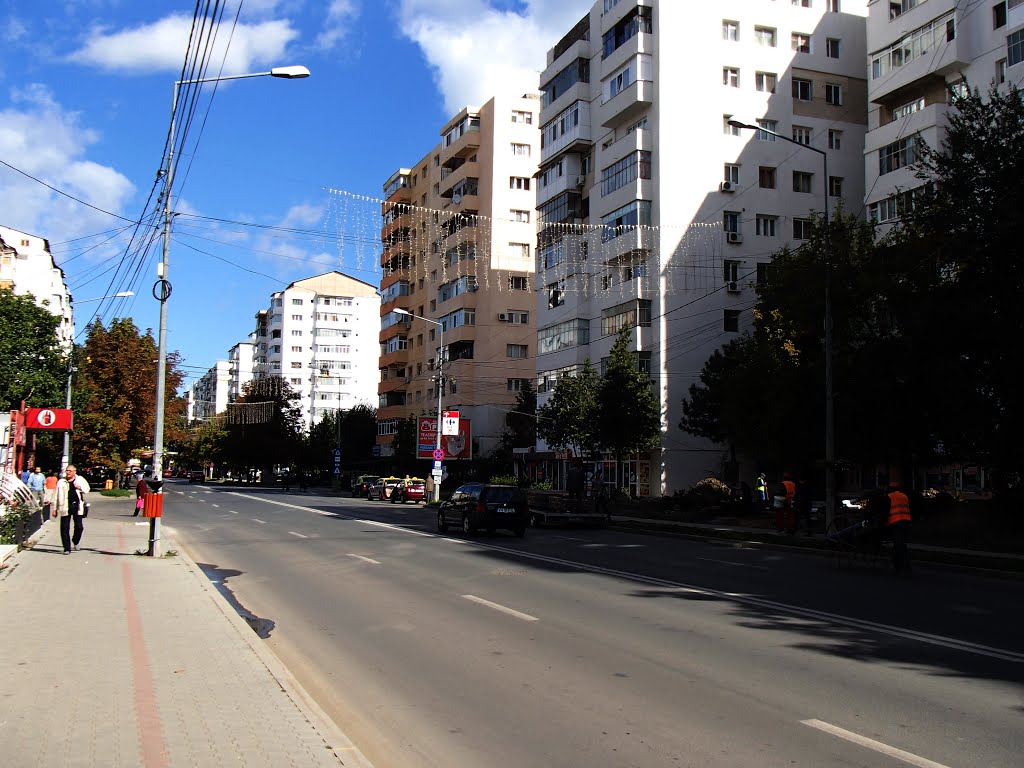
413, 489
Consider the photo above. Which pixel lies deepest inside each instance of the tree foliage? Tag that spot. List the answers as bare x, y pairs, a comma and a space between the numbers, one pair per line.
521, 422
629, 411
266, 428
569, 419
114, 394
32, 365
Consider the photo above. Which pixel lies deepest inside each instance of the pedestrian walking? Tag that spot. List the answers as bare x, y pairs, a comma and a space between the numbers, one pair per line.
49, 493
25, 475
761, 486
898, 524
140, 491
70, 506
37, 484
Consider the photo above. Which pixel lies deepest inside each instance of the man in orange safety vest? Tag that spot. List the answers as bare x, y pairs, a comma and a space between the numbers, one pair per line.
898, 524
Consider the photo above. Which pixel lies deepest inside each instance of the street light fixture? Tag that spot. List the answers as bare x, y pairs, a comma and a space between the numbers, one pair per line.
830, 435
440, 385
65, 458
162, 288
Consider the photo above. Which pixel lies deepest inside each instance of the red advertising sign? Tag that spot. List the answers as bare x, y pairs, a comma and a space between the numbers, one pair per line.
60, 419
458, 446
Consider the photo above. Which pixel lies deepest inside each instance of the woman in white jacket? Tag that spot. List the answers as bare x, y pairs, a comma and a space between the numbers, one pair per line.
69, 504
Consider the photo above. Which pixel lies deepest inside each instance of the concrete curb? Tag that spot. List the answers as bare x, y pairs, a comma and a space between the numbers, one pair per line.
335, 739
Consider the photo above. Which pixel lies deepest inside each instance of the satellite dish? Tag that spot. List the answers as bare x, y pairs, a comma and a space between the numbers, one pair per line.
456, 198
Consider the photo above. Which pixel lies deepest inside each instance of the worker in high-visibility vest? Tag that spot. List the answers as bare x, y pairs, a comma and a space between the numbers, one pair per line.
898, 525
761, 486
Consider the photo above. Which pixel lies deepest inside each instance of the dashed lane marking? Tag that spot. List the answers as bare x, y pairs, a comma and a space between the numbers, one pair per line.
301, 536
364, 559
877, 746
502, 608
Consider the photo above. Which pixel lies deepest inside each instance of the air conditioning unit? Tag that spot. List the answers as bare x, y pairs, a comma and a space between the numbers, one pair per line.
735, 238
727, 186
581, 181
732, 287
503, 317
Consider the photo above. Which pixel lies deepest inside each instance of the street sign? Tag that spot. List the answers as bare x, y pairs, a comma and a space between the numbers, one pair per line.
449, 423
438, 454
436, 475
375, 451
437, 465
337, 454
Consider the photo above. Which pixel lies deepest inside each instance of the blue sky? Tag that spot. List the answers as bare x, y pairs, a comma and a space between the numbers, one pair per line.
85, 103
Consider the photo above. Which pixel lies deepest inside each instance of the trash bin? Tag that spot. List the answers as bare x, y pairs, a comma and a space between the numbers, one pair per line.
108, 485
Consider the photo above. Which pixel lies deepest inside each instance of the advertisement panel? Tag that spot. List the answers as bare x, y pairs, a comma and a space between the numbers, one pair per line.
458, 446
49, 418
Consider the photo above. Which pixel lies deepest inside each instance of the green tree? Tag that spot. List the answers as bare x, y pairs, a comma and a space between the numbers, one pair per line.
265, 426
358, 433
114, 394
33, 368
404, 445
205, 443
629, 418
569, 420
521, 422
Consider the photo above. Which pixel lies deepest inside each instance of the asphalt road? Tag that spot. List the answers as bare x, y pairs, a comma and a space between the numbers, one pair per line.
586, 647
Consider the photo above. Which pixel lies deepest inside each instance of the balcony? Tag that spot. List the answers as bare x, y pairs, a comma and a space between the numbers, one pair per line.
399, 358
463, 146
612, 151
398, 188
616, 14
400, 223
578, 91
932, 116
626, 104
571, 180
575, 138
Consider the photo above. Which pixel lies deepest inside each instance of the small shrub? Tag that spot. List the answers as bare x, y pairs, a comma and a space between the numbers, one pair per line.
117, 492
504, 480
543, 485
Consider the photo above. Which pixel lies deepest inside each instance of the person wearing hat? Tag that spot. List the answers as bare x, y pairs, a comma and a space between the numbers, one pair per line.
898, 525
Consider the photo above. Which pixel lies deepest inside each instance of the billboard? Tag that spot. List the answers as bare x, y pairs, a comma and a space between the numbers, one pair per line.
458, 446
49, 418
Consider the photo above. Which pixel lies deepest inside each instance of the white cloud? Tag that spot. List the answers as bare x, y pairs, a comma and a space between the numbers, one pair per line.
41, 138
161, 45
340, 15
477, 50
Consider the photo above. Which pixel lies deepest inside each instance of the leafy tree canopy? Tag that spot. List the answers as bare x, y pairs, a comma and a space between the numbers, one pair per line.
630, 412
32, 365
569, 419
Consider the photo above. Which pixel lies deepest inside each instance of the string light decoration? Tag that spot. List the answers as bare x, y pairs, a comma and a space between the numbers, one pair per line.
467, 250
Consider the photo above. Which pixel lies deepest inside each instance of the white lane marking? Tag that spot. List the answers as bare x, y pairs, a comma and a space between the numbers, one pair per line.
255, 520
215, 505
364, 559
730, 562
146, 523
835, 618
567, 538
878, 746
293, 533
630, 546
502, 608
230, 510
594, 545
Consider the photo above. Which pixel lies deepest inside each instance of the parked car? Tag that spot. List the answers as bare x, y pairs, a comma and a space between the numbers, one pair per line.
196, 476
361, 485
412, 489
384, 488
479, 505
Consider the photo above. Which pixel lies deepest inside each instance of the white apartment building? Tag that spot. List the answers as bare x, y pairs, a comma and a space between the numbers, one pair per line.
654, 211
918, 52
27, 267
241, 365
209, 393
458, 230
321, 337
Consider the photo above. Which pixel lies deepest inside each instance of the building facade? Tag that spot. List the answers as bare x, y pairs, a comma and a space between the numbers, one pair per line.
654, 212
241, 365
27, 267
458, 231
320, 335
209, 394
918, 53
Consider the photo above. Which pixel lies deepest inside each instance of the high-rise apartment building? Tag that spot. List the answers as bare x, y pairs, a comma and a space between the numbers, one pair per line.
320, 335
918, 52
656, 213
27, 267
458, 232
209, 394
241, 364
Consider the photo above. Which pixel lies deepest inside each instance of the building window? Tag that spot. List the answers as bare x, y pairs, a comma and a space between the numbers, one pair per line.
801, 42
730, 221
802, 181
732, 173
1015, 48
628, 169
520, 150
517, 351
765, 82
764, 36
801, 135
521, 216
626, 219
556, 294
519, 283
731, 77
899, 7
835, 139
897, 155
297, 317
766, 225
802, 3
520, 116
802, 90
296, 365
522, 250
1001, 71
516, 385
729, 130
638, 20
296, 349
640, 67
766, 177
297, 302
731, 30
296, 381
834, 94
832, 47
519, 182
767, 125
801, 229
296, 333
835, 186
730, 270
920, 42
999, 15
732, 321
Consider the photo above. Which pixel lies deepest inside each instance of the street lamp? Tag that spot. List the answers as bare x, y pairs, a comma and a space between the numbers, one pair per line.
65, 458
440, 385
162, 288
830, 434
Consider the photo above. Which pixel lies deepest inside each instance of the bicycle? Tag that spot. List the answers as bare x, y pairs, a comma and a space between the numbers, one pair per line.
852, 537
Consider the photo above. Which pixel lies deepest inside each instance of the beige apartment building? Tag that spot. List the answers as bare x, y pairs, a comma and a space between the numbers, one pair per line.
457, 233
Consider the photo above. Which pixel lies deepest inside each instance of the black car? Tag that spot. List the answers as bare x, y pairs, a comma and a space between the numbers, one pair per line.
196, 476
361, 485
479, 505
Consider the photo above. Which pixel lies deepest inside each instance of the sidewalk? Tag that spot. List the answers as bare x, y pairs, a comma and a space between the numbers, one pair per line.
114, 659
